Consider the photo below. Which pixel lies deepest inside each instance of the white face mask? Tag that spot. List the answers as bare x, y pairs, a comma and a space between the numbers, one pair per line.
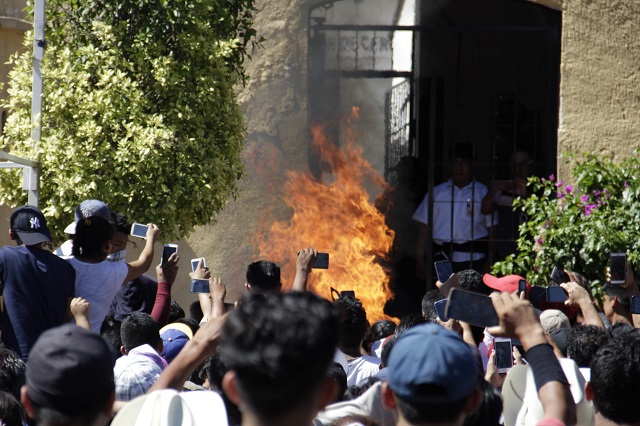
119, 256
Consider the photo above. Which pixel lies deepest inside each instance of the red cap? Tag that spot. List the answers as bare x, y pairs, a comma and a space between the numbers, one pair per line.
507, 284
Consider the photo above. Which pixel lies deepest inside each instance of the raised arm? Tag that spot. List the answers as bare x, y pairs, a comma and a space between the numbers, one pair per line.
304, 262
166, 275
143, 263
578, 296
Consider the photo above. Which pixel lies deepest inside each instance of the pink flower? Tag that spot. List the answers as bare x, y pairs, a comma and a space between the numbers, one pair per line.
568, 189
596, 193
625, 184
584, 198
560, 195
588, 209
552, 177
559, 183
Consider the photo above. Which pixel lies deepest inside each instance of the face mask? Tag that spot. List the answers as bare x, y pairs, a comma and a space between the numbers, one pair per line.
118, 256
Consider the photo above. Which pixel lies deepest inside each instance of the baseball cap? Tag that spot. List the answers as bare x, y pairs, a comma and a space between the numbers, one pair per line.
70, 369
170, 408
553, 319
506, 284
428, 354
174, 337
30, 225
86, 209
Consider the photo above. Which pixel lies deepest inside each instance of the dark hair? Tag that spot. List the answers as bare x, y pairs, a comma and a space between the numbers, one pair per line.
92, 238
175, 312
139, 329
337, 373
409, 321
471, 280
382, 329
280, 346
615, 378
193, 325
620, 327
195, 311
53, 417
263, 276
110, 332
11, 411
386, 351
490, 410
428, 310
355, 391
353, 321
120, 223
583, 343
12, 372
215, 369
619, 293
431, 413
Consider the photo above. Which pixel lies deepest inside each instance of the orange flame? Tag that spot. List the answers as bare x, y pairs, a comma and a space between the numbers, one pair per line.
336, 217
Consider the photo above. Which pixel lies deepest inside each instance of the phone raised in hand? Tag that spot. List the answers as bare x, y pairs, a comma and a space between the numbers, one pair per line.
556, 295
504, 354
194, 264
167, 251
139, 230
522, 288
474, 308
322, 261
440, 307
635, 305
618, 268
443, 270
559, 276
199, 286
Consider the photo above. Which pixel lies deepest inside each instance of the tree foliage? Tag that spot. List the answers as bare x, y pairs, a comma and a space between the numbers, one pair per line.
139, 109
577, 224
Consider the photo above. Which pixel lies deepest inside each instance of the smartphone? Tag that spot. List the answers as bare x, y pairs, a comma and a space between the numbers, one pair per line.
559, 276
474, 308
194, 264
635, 305
348, 293
443, 270
537, 295
617, 267
522, 288
440, 307
199, 286
322, 261
139, 230
504, 354
556, 294
167, 251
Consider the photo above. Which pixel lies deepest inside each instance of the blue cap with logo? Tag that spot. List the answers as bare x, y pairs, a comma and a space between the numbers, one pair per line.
432, 365
30, 225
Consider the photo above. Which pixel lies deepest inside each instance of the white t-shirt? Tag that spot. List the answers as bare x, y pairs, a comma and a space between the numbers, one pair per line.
468, 221
98, 283
362, 368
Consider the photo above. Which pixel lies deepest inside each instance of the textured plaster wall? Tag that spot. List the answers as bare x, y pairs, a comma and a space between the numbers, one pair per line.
600, 76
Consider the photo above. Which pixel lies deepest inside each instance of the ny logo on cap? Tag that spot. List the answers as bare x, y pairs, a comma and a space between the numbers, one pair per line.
35, 223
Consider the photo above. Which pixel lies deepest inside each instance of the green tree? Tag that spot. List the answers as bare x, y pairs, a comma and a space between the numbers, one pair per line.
139, 109
578, 223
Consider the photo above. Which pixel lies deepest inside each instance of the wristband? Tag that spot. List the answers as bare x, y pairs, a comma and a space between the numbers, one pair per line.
545, 366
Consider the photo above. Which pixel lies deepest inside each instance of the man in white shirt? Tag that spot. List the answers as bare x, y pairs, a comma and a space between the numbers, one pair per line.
460, 231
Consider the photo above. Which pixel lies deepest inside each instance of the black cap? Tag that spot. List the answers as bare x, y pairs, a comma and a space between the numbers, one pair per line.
30, 225
70, 369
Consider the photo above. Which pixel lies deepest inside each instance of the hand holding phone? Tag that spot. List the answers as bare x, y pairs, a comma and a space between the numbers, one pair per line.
522, 288
139, 230
635, 305
199, 286
504, 354
617, 268
195, 262
167, 251
440, 307
322, 261
559, 276
556, 295
443, 270
474, 308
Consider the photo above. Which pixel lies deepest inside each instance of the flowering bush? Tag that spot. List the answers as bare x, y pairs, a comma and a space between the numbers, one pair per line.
577, 224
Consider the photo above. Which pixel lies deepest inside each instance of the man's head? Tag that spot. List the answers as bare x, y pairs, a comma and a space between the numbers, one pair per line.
462, 158
615, 302
140, 329
522, 165
428, 310
433, 377
583, 343
353, 322
69, 378
278, 348
12, 372
382, 329
28, 226
121, 231
86, 209
92, 238
263, 277
615, 379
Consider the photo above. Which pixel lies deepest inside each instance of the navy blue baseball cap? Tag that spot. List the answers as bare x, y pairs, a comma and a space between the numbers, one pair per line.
30, 225
432, 365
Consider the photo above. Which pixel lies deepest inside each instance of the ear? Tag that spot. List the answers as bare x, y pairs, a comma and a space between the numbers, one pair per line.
588, 391
12, 235
388, 400
123, 351
230, 387
328, 393
26, 402
615, 302
473, 402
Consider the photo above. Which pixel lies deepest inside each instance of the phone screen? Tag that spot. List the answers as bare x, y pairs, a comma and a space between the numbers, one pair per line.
617, 266
139, 230
504, 354
474, 308
322, 261
635, 305
194, 264
443, 270
199, 286
167, 251
440, 307
522, 287
556, 294
559, 276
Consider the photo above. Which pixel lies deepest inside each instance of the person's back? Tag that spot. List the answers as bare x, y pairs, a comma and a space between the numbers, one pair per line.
37, 284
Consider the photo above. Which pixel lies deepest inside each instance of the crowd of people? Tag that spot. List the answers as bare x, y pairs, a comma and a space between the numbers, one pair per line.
88, 339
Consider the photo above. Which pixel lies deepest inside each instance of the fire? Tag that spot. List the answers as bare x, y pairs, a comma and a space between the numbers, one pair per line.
337, 217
